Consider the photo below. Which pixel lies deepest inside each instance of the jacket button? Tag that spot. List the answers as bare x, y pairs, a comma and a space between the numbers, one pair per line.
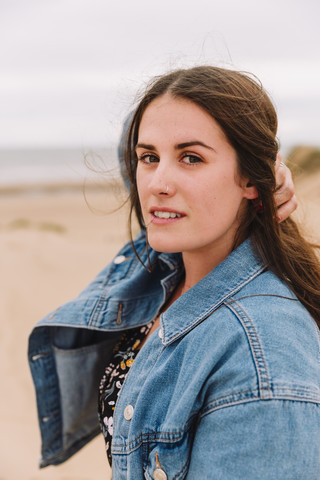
159, 474
119, 259
160, 333
128, 412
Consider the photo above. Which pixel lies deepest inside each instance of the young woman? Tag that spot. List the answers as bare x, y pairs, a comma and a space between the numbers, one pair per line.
204, 328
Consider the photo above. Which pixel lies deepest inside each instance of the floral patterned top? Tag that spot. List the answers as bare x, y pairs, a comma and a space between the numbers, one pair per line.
115, 373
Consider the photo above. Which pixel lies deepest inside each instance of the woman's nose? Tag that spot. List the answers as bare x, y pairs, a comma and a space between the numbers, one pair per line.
161, 182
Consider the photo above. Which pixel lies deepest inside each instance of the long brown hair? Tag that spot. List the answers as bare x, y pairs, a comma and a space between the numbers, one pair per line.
240, 105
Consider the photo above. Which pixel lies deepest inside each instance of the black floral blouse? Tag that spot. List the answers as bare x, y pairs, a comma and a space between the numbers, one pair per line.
115, 373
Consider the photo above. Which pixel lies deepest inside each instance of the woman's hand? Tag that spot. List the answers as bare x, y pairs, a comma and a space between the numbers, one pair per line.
284, 196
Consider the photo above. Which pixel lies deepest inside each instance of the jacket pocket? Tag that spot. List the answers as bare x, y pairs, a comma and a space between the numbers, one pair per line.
168, 460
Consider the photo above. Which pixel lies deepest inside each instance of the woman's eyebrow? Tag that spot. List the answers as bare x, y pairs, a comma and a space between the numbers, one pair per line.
145, 145
179, 146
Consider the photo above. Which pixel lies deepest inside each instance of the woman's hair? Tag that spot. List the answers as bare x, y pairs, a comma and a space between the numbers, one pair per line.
240, 105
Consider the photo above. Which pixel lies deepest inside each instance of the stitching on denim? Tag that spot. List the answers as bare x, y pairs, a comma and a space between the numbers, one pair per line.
147, 437
145, 455
228, 400
279, 392
173, 437
212, 308
256, 353
281, 398
183, 469
96, 312
316, 328
223, 402
300, 389
263, 295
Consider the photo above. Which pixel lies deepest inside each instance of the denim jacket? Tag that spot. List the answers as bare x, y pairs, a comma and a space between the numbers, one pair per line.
228, 387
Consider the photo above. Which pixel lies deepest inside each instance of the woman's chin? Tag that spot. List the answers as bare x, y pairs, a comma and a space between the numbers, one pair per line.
161, 245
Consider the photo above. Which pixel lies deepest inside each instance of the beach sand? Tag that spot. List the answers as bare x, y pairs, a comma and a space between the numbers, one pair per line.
52, 245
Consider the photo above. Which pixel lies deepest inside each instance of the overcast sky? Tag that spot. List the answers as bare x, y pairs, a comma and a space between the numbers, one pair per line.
69, 69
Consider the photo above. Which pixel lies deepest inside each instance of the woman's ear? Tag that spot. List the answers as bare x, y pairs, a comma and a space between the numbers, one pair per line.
250, 192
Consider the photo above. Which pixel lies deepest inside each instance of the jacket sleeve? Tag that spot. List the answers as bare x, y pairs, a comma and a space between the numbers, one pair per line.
262, 439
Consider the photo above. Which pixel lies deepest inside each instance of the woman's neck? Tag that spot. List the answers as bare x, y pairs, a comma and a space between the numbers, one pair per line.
198, 266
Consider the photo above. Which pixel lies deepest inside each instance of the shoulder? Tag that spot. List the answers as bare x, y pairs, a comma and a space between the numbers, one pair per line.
287, 335
265, 343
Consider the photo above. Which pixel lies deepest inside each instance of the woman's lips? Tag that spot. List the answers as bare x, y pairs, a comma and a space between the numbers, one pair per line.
164, 215
161, 214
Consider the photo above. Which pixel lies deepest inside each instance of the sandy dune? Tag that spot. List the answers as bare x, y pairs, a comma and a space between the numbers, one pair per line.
52, 245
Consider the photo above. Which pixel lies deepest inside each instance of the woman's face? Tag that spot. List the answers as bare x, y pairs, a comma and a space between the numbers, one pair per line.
191, 197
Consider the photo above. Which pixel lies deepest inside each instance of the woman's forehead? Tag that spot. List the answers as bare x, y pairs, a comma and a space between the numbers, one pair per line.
180, 120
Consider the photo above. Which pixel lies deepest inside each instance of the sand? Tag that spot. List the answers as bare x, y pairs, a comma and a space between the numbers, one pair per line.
52, 245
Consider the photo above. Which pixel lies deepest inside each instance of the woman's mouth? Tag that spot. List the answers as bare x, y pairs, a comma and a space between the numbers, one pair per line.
161, 214
164, 217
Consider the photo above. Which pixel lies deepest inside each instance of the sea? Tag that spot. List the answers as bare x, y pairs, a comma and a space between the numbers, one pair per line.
29, 170
32, 169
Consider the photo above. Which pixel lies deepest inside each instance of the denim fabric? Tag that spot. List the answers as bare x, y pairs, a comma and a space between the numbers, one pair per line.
227, 388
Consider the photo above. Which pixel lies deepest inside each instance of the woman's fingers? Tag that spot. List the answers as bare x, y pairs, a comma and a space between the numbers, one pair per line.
286, 209
284, 196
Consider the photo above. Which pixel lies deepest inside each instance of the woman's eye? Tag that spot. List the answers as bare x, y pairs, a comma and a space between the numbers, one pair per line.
191, 159
148, 158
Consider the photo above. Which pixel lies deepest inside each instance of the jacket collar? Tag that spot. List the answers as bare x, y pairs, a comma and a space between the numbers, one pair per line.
138, 295
239, 268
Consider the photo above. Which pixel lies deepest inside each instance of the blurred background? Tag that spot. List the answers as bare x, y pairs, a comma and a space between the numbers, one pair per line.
70, 69
69, 74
